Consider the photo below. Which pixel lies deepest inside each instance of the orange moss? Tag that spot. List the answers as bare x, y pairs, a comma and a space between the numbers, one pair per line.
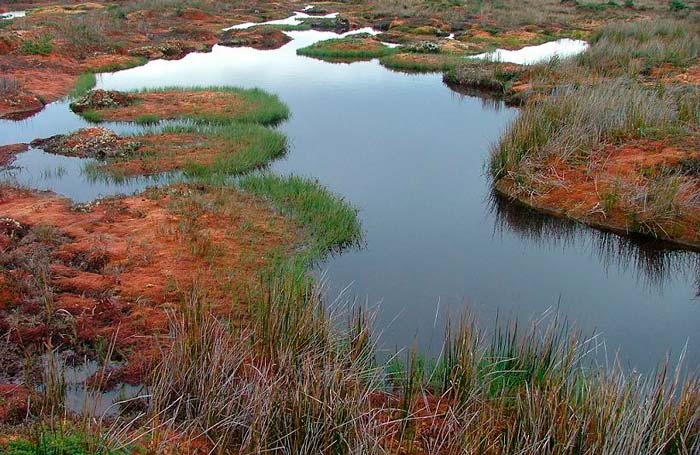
578, 191
119, 266
171, 104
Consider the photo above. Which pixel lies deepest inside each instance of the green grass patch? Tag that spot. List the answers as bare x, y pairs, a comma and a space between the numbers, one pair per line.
247, 147
83, 84
331, 222
118, 66
351, 48
92, 116
59, 443
38, 46
147, 119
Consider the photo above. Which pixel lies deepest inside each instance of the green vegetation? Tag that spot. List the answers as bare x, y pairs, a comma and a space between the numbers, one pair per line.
38, 46
246, 147
84, 84
331, 222
146, 119
350, 48
62, 441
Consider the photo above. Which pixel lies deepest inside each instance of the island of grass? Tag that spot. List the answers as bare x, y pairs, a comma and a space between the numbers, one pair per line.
351, 48
612, 137
195, 150
225, 134
414, 62
198, 104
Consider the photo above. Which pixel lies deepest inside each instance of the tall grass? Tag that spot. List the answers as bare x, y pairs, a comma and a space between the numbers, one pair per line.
574, 122
633, 48
294, 381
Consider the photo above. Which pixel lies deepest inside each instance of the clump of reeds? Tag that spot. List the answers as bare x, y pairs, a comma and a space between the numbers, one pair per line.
292, 381
574, 122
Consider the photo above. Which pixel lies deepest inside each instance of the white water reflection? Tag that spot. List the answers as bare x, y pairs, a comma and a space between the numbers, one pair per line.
69, 176
296, 19
529, 55
12, 14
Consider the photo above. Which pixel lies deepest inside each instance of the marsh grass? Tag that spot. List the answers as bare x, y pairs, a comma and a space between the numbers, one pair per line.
84, 84
575, 122
350, 48
247, 147
635, 48
296, 380
331, 222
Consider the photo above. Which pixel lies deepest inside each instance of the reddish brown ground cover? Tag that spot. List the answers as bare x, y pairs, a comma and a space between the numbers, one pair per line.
81, 276
608, 190
8, 152
170, 104
168, 152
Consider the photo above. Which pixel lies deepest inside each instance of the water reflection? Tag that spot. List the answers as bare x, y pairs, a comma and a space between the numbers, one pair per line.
653, 262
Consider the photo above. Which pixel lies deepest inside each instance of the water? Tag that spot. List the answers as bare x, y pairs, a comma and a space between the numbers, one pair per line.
12, 14
409, 153
295, 19
562, 48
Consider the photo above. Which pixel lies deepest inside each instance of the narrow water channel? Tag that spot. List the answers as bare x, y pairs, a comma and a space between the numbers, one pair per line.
410, 153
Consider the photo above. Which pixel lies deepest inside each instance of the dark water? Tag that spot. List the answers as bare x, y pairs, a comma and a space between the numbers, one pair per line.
409, 153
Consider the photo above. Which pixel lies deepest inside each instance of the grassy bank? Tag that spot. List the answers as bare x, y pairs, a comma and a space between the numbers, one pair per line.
609, 136
331, 222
